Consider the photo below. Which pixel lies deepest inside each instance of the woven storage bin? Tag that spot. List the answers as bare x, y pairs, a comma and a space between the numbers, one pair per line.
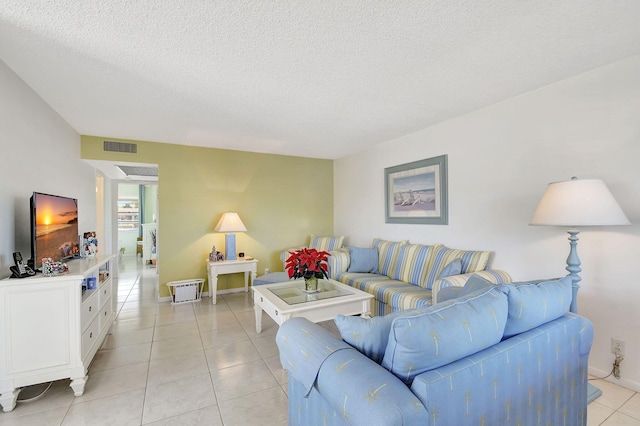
186, 290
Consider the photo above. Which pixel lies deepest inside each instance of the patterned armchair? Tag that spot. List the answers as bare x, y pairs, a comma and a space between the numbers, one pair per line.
492, 356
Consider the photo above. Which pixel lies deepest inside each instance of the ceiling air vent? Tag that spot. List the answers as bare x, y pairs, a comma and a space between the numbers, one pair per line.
130, 148
139, 170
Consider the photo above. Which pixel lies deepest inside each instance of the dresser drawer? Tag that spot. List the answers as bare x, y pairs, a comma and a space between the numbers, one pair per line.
104, 292
90, 308
105, 314
90, 336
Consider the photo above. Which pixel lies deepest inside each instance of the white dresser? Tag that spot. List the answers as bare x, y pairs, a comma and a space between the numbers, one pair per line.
50, 330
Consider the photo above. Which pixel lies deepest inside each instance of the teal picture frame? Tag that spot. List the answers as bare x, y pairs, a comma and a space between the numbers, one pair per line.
417, 192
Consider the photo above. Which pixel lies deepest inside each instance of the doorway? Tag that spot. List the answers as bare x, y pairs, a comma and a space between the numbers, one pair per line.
137, 221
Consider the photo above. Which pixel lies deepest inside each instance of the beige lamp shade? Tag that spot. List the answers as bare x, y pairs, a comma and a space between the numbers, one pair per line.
576, 203
230, 222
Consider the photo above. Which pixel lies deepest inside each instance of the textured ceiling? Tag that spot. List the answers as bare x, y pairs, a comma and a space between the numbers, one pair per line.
310, 78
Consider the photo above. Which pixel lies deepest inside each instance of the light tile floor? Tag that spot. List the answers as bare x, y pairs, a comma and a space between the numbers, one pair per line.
617, 406
164, 364
199, 363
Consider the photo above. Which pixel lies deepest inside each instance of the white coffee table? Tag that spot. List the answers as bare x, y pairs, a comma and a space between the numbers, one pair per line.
282, 301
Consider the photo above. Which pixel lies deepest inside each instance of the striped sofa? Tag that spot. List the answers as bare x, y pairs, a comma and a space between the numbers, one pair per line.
411, 275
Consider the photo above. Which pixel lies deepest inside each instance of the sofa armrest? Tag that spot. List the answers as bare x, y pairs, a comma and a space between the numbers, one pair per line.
494, 276
586, 334
303, 347
284, 255
338, 262
354, 386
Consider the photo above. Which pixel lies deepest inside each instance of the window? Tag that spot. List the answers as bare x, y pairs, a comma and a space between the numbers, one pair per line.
128, 210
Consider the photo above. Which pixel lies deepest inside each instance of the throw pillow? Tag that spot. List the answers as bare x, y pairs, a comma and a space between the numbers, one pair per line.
534, 303
363, 260
413, 263
453, 268
474, 283
369, 335
449, 293
445, 333
472, 261
326, 243
388, 252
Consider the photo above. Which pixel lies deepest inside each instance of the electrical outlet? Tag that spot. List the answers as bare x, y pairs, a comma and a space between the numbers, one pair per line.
617, 346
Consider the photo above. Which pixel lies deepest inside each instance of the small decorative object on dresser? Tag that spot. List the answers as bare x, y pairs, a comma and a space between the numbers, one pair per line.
90, 248
308, 263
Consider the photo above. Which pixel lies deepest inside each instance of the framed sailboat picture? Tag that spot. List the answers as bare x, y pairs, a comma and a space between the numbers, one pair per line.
416, 193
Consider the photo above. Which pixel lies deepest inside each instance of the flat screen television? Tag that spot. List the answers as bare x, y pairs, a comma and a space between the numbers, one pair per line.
54, 228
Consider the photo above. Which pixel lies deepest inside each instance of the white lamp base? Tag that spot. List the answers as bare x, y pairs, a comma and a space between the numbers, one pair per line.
230, 247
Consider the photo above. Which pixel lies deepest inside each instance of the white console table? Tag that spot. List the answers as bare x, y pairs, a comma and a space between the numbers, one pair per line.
230, 267
50, 330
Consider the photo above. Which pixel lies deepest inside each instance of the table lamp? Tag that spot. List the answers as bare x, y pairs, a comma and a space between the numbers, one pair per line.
229, 223
573, 204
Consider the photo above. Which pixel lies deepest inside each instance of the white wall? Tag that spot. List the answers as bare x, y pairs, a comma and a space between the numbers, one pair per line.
500, 161
40, 152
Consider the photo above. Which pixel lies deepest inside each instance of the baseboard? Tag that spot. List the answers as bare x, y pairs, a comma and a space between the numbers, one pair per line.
625, 383
206, 293
232, 290
168, 298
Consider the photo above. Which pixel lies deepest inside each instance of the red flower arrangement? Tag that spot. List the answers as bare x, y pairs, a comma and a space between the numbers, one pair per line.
307, 263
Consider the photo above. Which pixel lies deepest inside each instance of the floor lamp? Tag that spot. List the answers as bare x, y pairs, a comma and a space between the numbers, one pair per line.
574, 204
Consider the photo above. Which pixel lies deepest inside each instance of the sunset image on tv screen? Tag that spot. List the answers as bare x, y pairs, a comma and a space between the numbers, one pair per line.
56, 226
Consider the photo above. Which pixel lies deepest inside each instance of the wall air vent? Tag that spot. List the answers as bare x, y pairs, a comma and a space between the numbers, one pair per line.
130, 148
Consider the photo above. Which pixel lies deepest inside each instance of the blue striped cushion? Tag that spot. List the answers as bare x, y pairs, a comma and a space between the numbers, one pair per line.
396, 294
413, 263
326, 243
472, 261
388, 252
338, 262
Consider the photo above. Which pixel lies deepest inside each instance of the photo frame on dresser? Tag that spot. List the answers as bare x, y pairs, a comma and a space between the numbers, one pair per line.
416, 193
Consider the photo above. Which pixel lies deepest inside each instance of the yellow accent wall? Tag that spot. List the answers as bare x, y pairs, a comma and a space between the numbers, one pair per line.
280, 199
